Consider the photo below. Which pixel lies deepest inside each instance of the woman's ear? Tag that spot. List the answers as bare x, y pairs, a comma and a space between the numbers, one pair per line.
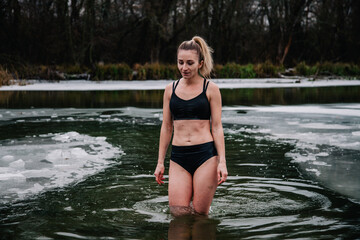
201, 64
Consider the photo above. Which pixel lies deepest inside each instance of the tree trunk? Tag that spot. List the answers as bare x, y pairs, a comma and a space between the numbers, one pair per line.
286, 50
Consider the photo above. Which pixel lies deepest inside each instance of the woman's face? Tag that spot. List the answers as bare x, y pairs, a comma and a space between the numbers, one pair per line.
188, 63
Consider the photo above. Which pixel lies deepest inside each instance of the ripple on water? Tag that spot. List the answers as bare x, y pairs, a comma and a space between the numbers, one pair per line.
250, 202
267, 197
155, 208
265, 206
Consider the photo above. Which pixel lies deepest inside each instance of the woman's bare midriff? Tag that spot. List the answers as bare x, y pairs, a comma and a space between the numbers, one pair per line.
191, 132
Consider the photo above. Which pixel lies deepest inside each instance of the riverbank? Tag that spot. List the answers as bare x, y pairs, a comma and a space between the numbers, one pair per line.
10, 75
86, 85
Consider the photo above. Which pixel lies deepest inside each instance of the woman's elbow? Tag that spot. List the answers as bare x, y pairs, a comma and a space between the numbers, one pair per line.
168, 127
216, 126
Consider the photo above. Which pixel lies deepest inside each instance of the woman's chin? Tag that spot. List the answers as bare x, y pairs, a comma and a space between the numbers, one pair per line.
186, 76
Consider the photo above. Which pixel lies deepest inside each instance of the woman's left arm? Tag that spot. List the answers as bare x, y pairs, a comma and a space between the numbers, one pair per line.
217, 131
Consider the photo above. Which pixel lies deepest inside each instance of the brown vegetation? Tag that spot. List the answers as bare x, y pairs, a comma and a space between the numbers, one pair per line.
156, 71
5, 77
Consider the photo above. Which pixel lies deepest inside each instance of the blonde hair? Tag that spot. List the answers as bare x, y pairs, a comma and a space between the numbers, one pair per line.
204, 52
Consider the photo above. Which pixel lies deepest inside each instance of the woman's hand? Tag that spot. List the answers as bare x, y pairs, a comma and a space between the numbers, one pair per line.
222, 172
159, 173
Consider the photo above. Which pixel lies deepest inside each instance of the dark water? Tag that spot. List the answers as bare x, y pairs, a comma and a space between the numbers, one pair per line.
153, 98
87, 174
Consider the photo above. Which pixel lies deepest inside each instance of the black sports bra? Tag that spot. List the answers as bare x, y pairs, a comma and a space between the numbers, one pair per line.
195, 108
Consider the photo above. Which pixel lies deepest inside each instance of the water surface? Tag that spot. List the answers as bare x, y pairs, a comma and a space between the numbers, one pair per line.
153, 98
87, 174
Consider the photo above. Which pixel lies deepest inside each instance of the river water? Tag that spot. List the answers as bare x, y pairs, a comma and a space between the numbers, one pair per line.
71, 173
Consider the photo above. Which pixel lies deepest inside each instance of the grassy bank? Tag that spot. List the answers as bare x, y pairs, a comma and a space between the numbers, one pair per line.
5, 76
328, 69
155, 71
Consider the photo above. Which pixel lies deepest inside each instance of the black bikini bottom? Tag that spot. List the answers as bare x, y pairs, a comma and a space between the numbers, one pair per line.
191, 157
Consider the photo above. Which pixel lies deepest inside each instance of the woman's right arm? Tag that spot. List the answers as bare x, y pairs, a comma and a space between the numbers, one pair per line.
165, 135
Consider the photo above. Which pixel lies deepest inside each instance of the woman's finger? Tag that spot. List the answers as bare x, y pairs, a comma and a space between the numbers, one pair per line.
219, 176
159, 178
223, 177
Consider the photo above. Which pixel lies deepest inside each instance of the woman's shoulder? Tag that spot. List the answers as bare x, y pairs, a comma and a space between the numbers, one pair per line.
213, 91
169, 87
212, 86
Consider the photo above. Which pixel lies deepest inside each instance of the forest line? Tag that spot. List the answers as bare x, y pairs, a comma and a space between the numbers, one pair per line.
156, 71
86, 32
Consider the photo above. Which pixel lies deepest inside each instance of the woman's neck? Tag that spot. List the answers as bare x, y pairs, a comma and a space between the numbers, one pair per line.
194, 80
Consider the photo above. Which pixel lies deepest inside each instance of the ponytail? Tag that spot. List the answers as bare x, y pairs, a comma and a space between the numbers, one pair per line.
204, 52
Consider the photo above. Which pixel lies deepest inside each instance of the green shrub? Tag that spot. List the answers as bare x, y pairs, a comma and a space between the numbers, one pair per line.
73, 69
267, 69
338, 69
325, 68
120, 71
153, 71
345, 69
305, 70
139, 72
249, 71
352, 70
156, 71
233, 70
216, 73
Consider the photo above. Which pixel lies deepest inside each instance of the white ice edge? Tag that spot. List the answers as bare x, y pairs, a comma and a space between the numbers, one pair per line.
326, 109
85, 85
59, 160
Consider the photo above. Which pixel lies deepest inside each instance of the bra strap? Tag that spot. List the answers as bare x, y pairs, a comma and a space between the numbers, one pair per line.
175, 85
206, 86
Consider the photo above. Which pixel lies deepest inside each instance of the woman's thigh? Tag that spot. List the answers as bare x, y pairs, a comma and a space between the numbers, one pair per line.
180, 186
205, 184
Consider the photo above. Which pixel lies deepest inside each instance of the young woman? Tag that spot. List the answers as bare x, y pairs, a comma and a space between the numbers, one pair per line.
192, 110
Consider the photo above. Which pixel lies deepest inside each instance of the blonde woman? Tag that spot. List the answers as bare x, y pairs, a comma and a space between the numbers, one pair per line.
192, 114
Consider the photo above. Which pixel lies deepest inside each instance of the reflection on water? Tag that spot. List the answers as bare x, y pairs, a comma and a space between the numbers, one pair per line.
153, 98
192, 227
88, 174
